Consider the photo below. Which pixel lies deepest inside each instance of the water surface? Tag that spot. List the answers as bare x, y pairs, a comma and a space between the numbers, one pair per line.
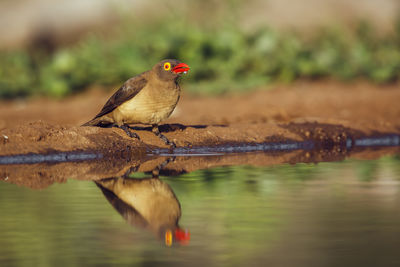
327, 214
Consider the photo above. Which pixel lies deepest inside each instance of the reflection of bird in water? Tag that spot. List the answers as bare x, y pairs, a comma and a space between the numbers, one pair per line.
149, 203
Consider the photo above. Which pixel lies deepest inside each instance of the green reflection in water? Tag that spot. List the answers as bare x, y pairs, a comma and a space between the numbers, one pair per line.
325, 214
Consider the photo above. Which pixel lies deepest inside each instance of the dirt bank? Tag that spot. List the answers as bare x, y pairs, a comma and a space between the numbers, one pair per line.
330, 110
42, 175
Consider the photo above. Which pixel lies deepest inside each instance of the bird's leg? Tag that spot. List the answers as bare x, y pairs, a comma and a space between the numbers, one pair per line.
130, 171
128, 131
156, 131
156, 172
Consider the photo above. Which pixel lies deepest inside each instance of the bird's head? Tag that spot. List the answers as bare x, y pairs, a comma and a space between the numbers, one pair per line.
170, 69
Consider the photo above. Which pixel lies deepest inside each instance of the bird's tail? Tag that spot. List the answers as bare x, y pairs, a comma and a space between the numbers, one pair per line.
93, 122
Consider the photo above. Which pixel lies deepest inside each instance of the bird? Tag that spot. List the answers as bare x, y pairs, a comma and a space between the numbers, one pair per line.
147, 98
147, 203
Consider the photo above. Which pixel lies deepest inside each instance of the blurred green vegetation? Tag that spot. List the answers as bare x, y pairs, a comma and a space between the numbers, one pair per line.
222, 59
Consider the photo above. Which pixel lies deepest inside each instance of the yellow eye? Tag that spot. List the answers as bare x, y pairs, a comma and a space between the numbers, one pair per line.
168, 234
167, 66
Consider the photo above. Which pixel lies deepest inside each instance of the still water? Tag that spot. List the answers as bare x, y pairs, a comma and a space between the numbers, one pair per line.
327, 214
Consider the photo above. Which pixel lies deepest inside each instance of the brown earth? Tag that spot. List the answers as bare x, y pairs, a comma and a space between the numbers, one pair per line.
42, 175
43, 125
328, 113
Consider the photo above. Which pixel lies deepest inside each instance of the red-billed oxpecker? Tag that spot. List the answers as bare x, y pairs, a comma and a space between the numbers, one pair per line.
147, 98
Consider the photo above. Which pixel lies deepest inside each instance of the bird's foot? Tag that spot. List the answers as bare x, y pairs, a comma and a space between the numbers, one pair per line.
156, 131
129, 132
171, 144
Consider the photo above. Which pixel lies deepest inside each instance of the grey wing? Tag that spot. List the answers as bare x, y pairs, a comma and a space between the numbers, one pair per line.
127, 91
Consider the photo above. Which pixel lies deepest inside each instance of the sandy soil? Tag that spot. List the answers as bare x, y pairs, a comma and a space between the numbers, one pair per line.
328, 113
42, 125
364, 103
